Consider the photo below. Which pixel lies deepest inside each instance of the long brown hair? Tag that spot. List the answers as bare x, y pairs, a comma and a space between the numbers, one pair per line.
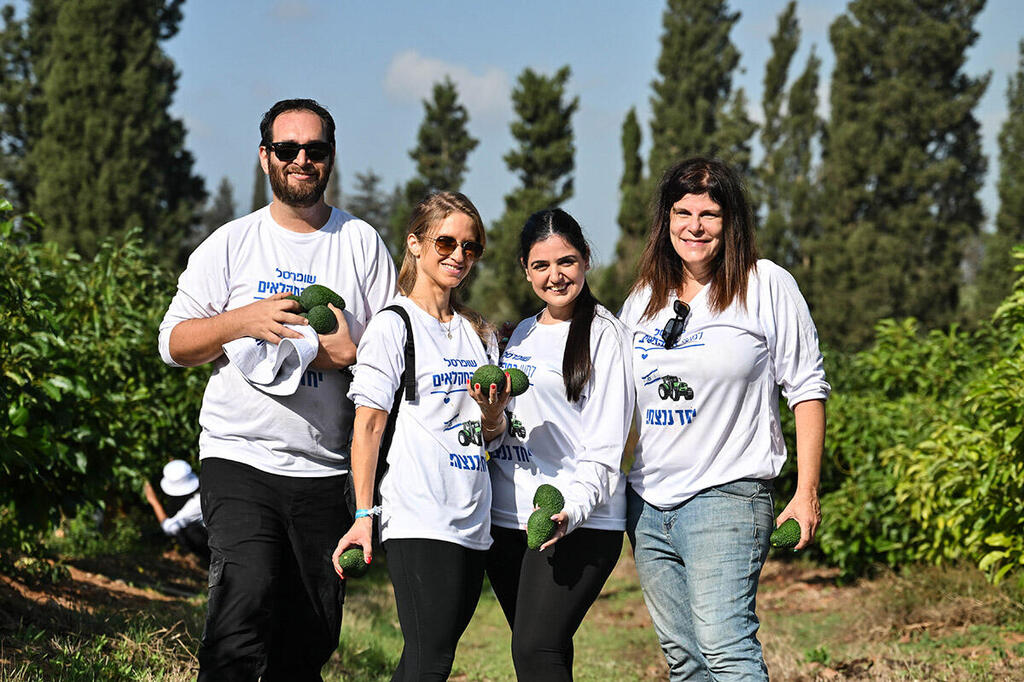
430, 212
660, 267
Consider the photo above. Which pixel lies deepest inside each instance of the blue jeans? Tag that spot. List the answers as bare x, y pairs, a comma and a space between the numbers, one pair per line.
699, 565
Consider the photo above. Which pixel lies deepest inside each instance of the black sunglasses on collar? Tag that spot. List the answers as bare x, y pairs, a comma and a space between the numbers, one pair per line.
287, 151
674, 327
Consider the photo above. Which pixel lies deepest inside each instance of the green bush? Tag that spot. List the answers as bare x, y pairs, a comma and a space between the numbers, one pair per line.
88, 407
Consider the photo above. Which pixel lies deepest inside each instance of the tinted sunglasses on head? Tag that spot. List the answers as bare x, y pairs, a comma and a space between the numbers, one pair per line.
287, 151
674, 327
445, 246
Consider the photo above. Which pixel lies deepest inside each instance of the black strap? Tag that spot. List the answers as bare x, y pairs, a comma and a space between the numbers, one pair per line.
409, 375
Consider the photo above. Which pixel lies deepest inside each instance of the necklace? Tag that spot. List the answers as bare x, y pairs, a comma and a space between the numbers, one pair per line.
447, 327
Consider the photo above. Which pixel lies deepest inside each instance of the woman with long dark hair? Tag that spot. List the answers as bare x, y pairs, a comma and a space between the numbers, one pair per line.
567, 430
436, 495
715, 334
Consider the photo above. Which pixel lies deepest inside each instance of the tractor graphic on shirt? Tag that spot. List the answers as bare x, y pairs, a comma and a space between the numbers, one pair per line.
471, 433
672, 387
515, 427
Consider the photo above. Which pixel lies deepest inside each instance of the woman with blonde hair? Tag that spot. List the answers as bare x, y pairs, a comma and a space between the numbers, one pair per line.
435, 498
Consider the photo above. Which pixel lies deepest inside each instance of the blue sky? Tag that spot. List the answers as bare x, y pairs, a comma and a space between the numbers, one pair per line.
372, 63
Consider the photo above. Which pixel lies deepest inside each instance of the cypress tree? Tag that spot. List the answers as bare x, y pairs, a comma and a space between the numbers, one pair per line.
786, 182
369, 202
618, 276
902, 168
110, 156
694, 83
443, 145
543, 161
332, 195
997, 274
220, 210
260, 194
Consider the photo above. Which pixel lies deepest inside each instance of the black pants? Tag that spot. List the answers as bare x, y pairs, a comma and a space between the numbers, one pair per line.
437, 586
275, 601
545, 595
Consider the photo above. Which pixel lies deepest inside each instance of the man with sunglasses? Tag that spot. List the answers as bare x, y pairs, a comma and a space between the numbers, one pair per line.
275, 468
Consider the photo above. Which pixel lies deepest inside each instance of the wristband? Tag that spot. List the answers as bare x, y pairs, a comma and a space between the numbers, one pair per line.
372, 511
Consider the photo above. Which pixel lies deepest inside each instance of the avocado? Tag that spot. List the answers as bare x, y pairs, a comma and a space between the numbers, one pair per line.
539, 528
549, 498
487, 375
322, 319
352, 563
787, 535
318, 294
293, 297
520, 382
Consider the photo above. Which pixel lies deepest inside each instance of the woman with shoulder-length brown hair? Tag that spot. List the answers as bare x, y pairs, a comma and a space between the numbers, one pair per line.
435, 498
715, 334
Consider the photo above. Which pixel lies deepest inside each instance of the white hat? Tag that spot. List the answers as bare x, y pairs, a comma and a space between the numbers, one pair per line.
178, 478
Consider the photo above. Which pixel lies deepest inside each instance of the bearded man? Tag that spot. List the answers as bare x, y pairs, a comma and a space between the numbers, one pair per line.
275, 467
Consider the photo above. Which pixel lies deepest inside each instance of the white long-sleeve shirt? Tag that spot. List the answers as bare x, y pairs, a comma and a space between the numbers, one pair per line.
723, 425
576, 447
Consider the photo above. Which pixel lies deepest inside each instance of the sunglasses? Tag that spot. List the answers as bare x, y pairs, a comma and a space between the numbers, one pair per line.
287, 151
445, 246
674, 328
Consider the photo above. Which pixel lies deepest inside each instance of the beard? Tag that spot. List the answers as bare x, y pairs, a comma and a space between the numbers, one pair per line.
302, 195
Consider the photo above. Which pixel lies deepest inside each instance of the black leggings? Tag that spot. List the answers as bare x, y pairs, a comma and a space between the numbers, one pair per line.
545, 595
437, 586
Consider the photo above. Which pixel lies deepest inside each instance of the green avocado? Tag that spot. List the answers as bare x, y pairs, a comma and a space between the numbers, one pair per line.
352, 563
549, 498
293, 297
318, 294
787, 535
322, 319
539, 528
487, 375
520, 382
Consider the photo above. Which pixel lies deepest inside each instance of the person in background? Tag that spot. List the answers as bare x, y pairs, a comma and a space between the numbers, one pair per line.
715, 334
275, 467
182, 517
435, 499
567, 430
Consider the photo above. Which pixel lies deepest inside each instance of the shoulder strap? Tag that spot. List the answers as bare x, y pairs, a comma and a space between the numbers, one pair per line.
408, 382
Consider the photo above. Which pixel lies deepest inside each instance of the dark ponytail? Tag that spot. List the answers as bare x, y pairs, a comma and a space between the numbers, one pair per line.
576, 364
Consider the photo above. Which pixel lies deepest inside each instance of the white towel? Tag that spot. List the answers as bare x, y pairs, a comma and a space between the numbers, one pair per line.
274, 369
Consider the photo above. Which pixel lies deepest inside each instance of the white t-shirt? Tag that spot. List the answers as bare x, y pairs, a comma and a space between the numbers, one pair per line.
305, 434
708, 408
191, 512
576, 447
437, 486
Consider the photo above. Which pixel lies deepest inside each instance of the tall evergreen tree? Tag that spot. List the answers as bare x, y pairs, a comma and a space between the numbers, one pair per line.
110, 156
786, 182
543, 161
997, 275
23, 43
903, 166
443, 145
618, 276
694, 83
735, 131
332, 195
260, 195
371, 203
219, 211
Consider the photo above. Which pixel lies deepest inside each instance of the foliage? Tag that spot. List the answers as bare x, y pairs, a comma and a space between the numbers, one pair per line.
443, 145
260, 194
109, 155
995, 278
370, 203
543, 160
926, 448
220, 210
902, 167
694, 81
88, 406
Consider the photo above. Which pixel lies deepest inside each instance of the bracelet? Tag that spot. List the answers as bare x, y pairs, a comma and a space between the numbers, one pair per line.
372, 511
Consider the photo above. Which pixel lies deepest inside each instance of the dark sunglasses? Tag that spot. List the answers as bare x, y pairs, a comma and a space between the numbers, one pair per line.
445, 246
674, 328
287, 151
